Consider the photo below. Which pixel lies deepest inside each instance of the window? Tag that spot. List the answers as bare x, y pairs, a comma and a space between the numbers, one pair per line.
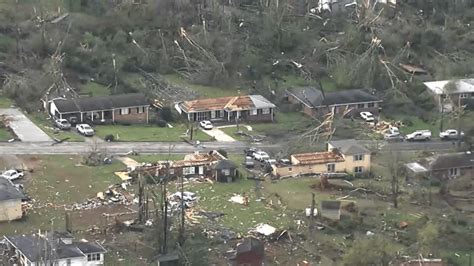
463, 95
171, 171
371, 105
290, 169
226, 172
140, 110
189, 171
361, 105
68, 262
253, 112
359, 157
454, 172
93, 257
221, 113
124, 111
358, 169
265, 111
331, 167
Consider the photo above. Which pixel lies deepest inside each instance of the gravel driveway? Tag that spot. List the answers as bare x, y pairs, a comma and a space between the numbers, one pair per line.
26, 130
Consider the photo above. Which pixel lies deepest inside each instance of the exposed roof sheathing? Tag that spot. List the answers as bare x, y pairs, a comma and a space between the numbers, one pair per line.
317, 157
235, 103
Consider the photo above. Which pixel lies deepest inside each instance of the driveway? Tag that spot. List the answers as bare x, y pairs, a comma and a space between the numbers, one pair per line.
219, 135
26, 130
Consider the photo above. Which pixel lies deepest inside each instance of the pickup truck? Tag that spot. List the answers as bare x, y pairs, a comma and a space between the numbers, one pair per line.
393, 134
419, 135
450, 134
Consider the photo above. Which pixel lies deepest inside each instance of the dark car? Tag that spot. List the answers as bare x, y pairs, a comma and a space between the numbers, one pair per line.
249, 152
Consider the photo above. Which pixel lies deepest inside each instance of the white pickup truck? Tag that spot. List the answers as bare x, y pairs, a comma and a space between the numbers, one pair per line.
419, 135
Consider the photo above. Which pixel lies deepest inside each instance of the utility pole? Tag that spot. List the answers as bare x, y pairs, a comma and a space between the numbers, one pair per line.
181, 229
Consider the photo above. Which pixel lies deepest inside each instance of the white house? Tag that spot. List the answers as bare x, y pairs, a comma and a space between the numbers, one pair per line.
56, 248
445, 96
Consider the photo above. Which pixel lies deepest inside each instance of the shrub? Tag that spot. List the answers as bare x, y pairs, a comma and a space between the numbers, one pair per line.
407, 122
161, 123
109, 138
223, 152
167, 114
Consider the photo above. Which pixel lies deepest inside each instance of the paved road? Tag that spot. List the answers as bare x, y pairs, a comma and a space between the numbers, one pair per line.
26, 130
181, 147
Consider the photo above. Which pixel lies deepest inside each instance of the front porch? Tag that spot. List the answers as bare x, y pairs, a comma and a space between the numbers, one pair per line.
95, 117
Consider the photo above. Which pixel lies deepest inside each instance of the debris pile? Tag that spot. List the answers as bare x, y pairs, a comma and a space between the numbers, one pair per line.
115, 194
383, 126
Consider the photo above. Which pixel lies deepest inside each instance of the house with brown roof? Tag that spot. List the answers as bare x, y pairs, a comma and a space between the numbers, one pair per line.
342, 156
250, 108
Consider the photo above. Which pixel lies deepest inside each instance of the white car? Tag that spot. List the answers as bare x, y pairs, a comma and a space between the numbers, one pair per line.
419, 135
260, 156
206, 124
12, 174
85, 129
367, 116
393, 134
450, 134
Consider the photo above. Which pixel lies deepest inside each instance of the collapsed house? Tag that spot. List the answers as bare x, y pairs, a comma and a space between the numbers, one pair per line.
342, 157
10, 201
212, 165
55, 248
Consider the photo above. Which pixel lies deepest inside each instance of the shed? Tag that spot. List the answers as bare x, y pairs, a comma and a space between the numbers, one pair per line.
225, 171
250, 252
331, 209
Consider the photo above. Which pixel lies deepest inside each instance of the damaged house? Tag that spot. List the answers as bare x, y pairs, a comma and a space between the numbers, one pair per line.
130, 108
445, 93
10, 201
341, 157
249, 108
443, 166
314, 102
212, 165
53, 248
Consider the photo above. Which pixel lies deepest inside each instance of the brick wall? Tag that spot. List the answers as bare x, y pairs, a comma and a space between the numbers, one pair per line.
133, 116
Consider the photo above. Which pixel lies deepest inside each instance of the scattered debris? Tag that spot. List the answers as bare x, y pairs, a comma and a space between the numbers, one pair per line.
237, 199
369, 233
264, 229
308, 212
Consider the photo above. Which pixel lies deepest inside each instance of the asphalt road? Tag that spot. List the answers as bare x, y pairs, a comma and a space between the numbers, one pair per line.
181, 147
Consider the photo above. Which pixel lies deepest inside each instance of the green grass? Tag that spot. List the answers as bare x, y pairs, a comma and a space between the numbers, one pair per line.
5, 134
203, 91
56, 180
4, 101
292, 122
95, 89
41, 120
147, 133
149, 158
231, 132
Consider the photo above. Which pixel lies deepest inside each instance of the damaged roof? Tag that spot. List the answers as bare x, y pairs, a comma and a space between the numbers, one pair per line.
8, 191
461, 86
317, 157
451, 160
313, 97
89, 104
236, 103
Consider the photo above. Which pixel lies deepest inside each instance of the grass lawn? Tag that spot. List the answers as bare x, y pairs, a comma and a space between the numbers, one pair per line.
56, 180
285, 123
42, 121
150, 158
5, 102
203, 91
95, 89
231, 132
5, 134
147, 133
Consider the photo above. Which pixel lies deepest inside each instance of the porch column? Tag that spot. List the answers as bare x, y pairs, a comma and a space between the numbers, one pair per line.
92, 116
60, 116
228, 116
102, 120
189, 117
146, 108
82, 116
113, 115
272, 113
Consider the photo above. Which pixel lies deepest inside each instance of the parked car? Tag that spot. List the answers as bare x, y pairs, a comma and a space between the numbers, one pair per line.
249, 163
261, 156
419, 135
249, 151
62, 124
367, 116
12, 174
393, 134
284, 161
85, 129
206, 124
450, 134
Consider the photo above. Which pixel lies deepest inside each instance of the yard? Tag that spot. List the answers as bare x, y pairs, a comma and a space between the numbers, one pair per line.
203, 91
5, 134
95, 89
148, 133
4, 101
42, 121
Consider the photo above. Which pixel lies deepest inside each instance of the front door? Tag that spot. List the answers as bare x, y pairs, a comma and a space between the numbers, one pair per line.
201, 170
213, 114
